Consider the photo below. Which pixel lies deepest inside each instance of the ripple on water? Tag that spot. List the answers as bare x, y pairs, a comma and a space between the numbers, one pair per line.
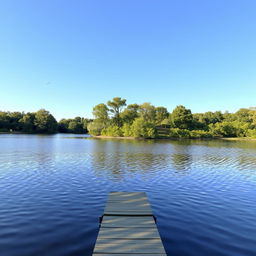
53, 189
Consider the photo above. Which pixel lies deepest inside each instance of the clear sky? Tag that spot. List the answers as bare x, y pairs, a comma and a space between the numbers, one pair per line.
67, 56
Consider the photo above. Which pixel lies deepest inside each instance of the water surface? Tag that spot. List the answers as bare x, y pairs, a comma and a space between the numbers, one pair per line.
53, 189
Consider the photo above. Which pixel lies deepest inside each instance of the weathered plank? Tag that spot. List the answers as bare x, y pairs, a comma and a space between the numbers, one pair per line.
128, 227
127, 221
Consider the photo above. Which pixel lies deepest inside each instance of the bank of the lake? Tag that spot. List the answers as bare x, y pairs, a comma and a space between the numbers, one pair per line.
168, 138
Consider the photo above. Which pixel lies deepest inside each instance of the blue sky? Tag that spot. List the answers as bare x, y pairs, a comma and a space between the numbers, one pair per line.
67, 56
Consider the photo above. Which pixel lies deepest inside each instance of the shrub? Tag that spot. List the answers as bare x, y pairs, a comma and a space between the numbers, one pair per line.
114, 131
200, 134
127, 131
142, 129
95, 128
251, 133
179, 133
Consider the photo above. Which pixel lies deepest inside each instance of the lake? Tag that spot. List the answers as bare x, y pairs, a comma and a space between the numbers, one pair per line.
53, 189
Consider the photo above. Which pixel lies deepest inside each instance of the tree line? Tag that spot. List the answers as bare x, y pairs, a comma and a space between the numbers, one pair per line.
41, 121
116, 118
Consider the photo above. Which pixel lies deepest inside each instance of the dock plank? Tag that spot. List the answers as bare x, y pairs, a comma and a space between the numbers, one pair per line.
128, 227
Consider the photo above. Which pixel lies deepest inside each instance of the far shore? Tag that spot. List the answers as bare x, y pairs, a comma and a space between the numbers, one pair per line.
160, 138
134, 138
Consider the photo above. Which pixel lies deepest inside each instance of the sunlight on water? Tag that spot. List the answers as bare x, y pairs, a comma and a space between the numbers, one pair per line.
53, 189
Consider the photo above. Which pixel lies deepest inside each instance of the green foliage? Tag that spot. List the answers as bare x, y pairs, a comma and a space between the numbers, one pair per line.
129, 114
161, 115
100, 113
142, 129
115, 107
114, 131
179, 133
95, 127
45, 122
147, 112
196, 134
127, 131
76, 125
28, 122
182, 118
229, 129
251, 133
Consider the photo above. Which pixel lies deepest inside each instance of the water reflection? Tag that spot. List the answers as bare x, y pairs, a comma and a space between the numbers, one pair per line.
52, 190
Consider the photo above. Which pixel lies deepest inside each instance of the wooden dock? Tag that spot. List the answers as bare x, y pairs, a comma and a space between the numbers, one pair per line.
128, 227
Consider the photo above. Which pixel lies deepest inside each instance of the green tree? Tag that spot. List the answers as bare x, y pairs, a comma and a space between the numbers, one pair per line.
182, 118
130, 113
14, 123
115, 107
143, 129
4, 121
45, 122
147, 112
27, 122
100, 113
75, 126
161, 114
95, 127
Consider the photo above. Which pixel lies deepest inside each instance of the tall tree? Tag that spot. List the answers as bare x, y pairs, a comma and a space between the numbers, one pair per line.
27, 122
147, 112
45, 122
100, 113
161, 114
115, 107
181, 117
130, 113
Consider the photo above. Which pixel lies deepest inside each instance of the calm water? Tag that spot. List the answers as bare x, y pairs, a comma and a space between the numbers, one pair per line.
53, 189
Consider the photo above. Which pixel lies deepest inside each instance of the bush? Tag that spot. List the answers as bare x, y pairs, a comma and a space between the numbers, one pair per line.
114, 131
179, 133
127, 130
251, 133
143, 129
200, 134
229, 129
95, 128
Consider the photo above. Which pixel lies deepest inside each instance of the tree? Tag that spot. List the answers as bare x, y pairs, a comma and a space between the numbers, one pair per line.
147, 112
143, 129
182, 118
130, 113
115, 107
95, 127
27, 122
14, 118
100, 113
4, 121
161, 114
45, 122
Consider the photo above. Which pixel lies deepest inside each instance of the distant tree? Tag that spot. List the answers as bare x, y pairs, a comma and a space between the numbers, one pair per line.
27, 122
45, 122
63, 125
161, 114
75, 126
147, 112
100, 113
182, 118
4, 121
95, 127
143, 129
115, 107
130, 113
14, 123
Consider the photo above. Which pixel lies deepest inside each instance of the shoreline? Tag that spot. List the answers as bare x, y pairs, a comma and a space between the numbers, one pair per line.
134, 138
161, 138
